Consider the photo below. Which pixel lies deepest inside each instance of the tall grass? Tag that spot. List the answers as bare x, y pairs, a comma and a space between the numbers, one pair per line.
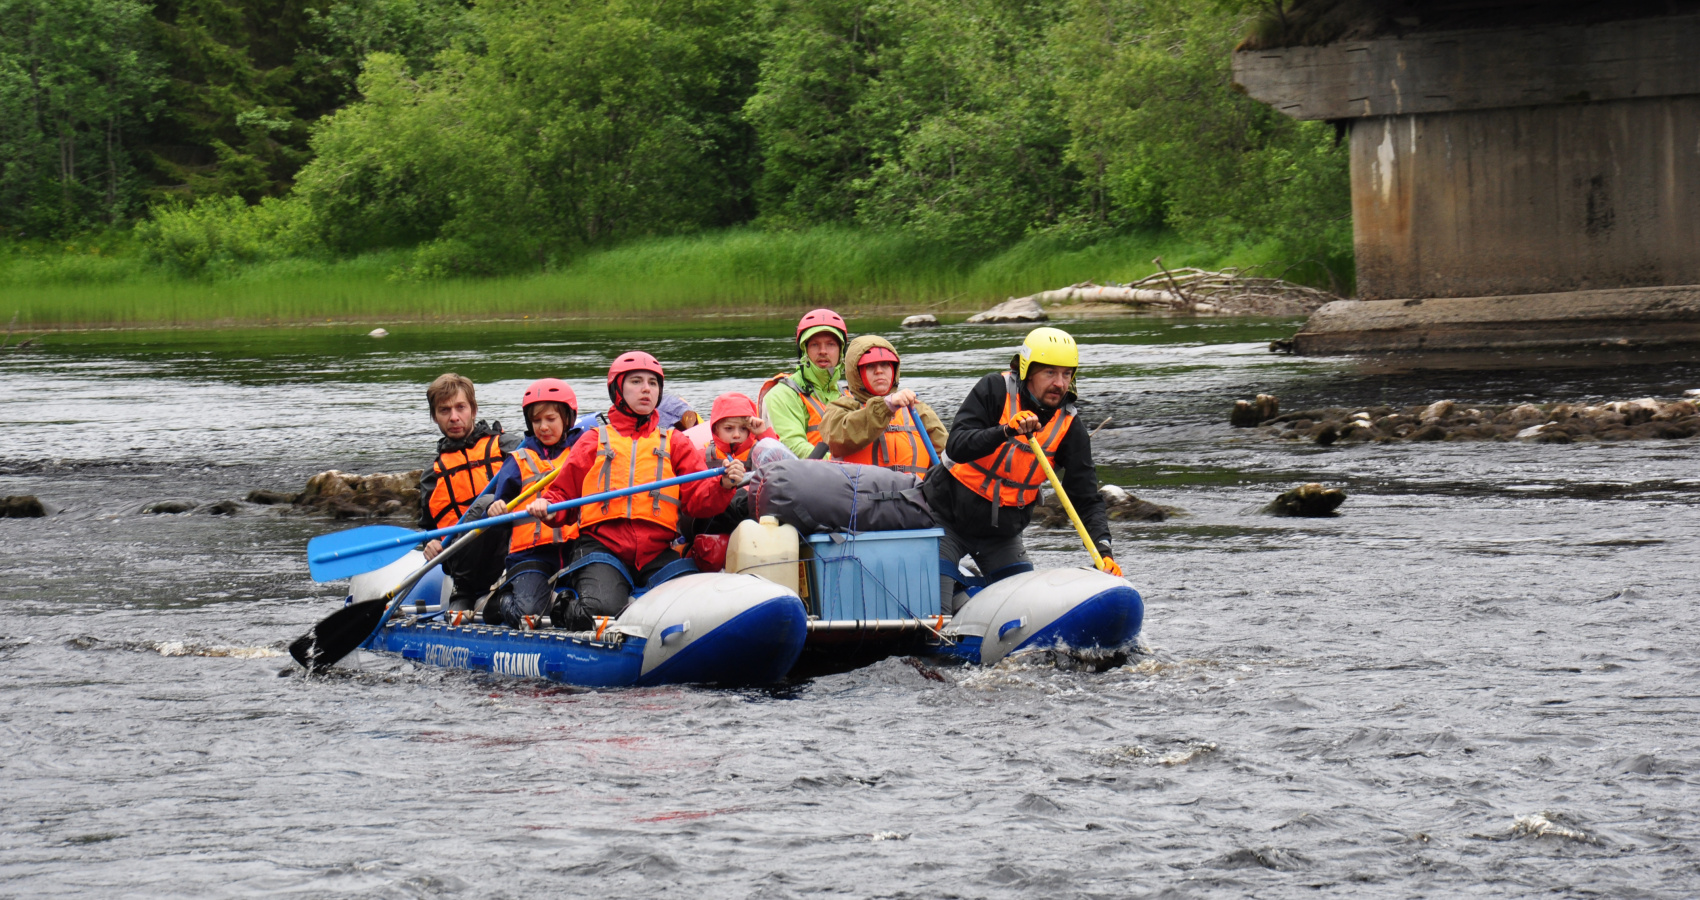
726, 271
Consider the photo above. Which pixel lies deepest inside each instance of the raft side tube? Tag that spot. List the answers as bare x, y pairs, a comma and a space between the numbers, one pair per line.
1077, 608
555, 655
716, 627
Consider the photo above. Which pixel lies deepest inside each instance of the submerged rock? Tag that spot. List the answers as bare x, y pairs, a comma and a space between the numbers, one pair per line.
1015, 309
169, 507
925, 320
1119, 504
1308, 500
221, 508
23, 506
270, 498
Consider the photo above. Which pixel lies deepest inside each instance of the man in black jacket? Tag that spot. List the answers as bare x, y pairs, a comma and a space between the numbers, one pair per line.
984, 504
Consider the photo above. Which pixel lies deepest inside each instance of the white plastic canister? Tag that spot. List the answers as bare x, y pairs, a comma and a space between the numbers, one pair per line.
765, 548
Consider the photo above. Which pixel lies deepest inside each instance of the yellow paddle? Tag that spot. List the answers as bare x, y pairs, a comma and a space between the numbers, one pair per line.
1062, 497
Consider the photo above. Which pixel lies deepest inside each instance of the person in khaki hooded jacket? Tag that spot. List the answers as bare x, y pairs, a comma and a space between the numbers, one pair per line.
875, 424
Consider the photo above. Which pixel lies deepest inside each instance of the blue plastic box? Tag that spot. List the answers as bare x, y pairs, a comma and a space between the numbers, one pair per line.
875, 574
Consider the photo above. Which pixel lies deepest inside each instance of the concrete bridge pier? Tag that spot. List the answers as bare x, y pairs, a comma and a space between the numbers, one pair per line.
1512, 188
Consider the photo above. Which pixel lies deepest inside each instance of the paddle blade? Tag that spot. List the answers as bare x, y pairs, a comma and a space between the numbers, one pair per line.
350, 557
337, 634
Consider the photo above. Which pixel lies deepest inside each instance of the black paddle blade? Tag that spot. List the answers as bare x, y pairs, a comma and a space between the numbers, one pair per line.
337, 634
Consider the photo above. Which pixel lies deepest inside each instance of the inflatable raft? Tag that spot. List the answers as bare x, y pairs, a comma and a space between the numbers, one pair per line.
877, 594
703, 628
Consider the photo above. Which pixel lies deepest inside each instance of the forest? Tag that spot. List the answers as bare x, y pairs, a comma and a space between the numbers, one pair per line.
423, 140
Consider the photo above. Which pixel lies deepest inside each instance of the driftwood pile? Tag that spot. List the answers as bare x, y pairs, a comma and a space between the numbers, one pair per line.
1189, 290
1447, 420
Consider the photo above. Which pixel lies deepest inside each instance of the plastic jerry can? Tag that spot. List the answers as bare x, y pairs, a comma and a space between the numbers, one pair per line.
765, 548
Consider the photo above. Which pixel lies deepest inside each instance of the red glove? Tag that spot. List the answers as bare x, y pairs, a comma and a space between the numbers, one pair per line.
1109, 565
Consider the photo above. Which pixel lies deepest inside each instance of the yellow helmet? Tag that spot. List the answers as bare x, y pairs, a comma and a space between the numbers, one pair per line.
1049, 347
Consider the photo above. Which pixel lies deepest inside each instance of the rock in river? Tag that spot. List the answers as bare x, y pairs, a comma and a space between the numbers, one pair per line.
925, 320
345, 495
1308, 500
1015, 309
23, 506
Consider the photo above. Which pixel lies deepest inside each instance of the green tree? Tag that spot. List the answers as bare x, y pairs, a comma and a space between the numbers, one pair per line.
583, 122
76, 79
1163, 140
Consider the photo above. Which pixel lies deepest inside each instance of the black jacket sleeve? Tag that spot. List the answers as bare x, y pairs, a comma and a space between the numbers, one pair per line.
1080, 481
975, 432
427, 484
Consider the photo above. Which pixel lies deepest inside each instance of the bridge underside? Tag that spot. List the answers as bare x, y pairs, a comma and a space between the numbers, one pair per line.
1533, 187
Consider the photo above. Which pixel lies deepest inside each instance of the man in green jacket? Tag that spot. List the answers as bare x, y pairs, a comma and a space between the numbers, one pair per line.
795, 404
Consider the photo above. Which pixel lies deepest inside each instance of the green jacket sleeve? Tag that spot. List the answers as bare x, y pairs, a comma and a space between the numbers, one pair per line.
786, 415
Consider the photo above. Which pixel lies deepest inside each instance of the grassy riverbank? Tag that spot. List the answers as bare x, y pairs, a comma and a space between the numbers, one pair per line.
105, 281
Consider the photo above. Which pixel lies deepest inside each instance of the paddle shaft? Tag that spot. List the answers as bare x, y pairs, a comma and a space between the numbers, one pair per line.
417, 537
1062, 497
926, 439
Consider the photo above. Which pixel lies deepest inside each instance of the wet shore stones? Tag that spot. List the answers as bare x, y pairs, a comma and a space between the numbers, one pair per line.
344, 495
1118, 503
1309, 501
23, 506
1448, 420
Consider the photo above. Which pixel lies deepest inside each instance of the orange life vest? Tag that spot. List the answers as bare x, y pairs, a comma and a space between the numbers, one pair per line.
624, 462
1010, 475
461, 475
529, 533
898, 448
717, 459
811, 403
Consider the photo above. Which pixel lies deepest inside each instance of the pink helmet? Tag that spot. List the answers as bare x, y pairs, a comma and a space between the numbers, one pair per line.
817, 320
876, 355
629, 362
729, 405
551, 390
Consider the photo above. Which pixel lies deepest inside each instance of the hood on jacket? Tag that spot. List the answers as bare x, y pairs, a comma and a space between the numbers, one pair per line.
853, 369
823, 382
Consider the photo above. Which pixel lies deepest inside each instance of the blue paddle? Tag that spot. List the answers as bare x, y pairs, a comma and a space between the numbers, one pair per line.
347, 553
926, 438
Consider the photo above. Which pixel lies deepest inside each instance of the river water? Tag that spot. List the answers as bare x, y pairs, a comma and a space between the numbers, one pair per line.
1480, 679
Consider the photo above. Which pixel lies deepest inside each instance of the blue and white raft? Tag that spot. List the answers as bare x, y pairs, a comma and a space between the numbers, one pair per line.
700, 628
877, 594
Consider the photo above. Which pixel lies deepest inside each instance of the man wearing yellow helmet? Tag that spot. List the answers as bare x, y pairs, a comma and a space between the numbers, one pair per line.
985, 503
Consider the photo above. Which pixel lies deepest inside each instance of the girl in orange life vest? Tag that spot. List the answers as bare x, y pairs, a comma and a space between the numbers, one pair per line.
636, 531
875, 424
468, 456
985, 503
736, 432
536, 551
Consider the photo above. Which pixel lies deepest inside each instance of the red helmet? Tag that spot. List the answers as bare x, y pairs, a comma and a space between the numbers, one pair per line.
629, 362
876, 355
729, 405
817, 320
550, 390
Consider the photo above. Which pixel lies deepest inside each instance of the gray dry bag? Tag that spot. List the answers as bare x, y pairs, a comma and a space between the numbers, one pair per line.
820, 497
